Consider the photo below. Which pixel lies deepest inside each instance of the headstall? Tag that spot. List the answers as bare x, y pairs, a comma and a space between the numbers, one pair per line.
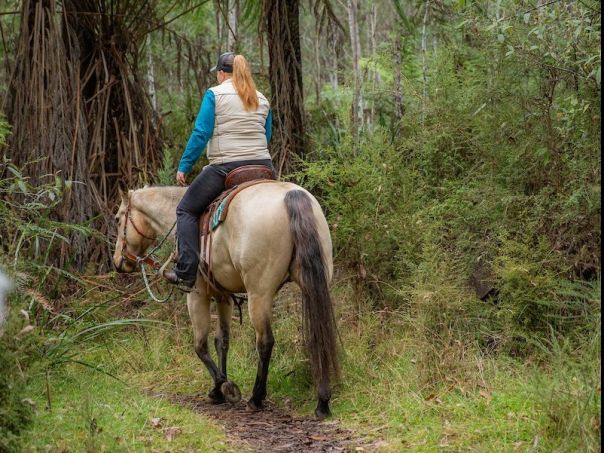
135, 259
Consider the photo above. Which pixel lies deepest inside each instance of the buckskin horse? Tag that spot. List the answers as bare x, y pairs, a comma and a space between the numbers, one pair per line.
273, 232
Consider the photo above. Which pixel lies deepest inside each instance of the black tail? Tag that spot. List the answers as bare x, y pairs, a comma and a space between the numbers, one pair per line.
317, 311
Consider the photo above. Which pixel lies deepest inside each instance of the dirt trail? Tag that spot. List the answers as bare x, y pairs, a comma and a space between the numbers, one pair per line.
273, 430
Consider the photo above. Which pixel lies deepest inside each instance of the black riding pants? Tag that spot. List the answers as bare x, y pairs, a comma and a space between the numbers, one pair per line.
202, 191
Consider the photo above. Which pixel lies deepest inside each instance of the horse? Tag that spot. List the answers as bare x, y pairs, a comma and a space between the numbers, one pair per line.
274, 232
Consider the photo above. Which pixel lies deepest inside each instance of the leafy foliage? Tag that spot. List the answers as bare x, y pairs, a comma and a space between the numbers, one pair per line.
27, 227
490, 172
504, 170
15, 414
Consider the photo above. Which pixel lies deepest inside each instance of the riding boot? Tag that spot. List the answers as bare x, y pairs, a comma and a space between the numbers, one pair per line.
183, 285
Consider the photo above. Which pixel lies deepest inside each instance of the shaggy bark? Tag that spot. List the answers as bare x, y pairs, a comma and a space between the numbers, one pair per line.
44, 106
285, 74
77, 107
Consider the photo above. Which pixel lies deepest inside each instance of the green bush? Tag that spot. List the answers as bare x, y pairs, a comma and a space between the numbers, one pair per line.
15, 358
15, 413
503, 169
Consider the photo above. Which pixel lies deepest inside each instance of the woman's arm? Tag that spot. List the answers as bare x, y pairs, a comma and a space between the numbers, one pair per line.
268, 127
202, 132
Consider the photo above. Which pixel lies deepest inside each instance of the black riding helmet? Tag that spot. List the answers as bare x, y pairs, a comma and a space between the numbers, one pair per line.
225, 63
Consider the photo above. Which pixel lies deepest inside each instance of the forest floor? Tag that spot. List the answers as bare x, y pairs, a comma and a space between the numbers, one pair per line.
156, 399
276, 430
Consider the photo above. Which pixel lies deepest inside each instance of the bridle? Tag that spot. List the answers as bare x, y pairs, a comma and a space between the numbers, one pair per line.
126, 255
149, 258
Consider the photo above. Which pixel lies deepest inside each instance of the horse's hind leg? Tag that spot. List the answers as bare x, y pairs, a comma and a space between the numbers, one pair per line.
221, 342
260, 315
198, 304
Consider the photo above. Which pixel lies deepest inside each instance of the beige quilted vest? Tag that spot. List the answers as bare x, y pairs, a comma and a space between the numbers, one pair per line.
238, 135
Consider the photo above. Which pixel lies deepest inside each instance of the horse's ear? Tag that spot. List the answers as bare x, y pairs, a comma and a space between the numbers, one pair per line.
122, 190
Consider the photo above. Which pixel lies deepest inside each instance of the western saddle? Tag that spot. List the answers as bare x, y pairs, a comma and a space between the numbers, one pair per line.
236, 181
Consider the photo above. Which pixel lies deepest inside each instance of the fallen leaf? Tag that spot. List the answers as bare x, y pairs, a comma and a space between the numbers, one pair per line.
486, 395
319, 438
30, 402
156, 422
433, 397
172, 432
362, 272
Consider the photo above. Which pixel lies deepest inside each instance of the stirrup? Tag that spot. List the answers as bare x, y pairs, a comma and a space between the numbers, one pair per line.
184, 285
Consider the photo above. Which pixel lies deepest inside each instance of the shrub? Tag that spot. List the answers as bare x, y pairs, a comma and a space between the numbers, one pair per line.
15, 413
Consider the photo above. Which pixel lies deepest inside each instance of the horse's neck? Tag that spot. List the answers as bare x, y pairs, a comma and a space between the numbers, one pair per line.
158, 204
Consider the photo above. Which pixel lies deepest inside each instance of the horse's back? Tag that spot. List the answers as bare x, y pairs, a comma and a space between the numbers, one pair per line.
253, 247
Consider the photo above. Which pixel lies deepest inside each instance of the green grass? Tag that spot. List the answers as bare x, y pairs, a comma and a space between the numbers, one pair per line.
93, 412
494, 404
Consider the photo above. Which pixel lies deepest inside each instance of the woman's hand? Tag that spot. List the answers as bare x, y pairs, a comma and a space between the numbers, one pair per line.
181, 178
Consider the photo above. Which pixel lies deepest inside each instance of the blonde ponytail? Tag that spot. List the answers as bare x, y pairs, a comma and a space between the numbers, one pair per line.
244, 83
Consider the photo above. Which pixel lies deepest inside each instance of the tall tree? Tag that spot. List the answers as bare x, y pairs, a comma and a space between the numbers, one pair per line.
281, 24
375, 76
233, 22
78, 107
43, 105
355, 43
424, 60
404, 28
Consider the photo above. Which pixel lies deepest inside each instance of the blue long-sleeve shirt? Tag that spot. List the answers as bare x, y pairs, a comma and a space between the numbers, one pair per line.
203, 130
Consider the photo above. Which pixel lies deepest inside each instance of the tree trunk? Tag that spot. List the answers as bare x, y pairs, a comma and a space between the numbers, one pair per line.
233, 34
356, 121
124, 145
285, 75
45, 109
151, 81
78, 108
424, 63
334, 39
375, 75
179, 53
317, 49
398, 83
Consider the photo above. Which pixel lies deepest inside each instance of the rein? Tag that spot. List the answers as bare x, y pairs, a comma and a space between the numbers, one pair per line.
149, 258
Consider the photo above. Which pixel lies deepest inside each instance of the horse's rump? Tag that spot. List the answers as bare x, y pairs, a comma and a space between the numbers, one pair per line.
255, 238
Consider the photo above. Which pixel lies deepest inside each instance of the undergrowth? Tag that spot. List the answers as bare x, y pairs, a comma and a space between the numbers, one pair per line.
496, 404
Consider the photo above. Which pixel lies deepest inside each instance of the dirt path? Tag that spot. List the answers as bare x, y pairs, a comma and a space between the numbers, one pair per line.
273, 430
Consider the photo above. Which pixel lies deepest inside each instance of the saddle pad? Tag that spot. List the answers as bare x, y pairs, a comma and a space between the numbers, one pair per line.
216, 218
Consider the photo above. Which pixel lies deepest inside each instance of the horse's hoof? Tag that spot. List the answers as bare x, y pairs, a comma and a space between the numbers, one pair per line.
216, 397
231, 392
322, 413
254, 406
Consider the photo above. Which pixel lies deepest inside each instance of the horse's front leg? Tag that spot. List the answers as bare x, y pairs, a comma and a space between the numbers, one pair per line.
198, 303
221, 342
260, 314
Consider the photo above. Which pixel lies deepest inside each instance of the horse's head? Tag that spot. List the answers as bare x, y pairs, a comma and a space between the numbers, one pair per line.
134, 234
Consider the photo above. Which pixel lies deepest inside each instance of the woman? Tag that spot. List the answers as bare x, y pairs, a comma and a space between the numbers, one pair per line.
235, 122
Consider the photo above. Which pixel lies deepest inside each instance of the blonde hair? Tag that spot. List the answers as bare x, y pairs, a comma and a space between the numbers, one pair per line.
244, 83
